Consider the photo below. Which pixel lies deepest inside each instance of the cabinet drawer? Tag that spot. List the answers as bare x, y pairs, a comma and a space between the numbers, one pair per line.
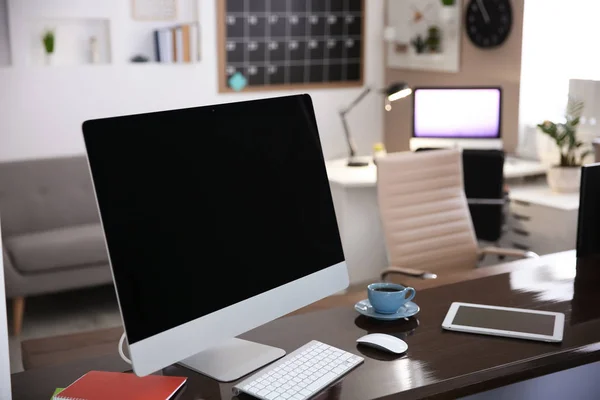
533, 218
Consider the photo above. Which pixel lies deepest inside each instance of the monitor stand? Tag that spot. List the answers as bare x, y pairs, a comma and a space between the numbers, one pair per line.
232, 359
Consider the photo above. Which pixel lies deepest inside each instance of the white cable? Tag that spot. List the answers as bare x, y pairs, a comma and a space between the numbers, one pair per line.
121, 353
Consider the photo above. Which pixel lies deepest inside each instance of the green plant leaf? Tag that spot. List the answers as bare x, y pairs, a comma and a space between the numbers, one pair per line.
585, 154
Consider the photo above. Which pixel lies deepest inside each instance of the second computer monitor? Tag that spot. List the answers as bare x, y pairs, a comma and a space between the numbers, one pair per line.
466, 117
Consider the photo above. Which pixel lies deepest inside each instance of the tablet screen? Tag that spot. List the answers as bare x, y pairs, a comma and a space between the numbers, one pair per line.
539, 324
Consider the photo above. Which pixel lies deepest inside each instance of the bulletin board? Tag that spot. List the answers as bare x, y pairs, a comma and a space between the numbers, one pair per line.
290, 44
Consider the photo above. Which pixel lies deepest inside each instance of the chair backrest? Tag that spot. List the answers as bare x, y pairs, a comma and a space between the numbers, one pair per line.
424, 211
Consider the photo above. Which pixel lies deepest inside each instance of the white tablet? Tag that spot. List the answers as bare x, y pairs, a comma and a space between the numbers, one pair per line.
504, 321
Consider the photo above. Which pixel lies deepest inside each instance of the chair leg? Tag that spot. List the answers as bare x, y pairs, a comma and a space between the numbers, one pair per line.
18, 310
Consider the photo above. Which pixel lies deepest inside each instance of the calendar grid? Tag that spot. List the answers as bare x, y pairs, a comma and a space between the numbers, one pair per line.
307, 44
268, 40
326, 57
287, 40
279, 43
246, 31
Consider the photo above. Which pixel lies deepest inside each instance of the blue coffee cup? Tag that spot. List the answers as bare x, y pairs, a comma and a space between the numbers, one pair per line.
387, 298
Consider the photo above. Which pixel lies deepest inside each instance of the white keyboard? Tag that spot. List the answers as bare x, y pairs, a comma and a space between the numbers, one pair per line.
301, 374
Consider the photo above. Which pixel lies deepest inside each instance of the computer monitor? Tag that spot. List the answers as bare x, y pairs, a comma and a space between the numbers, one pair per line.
463, 117
217, 220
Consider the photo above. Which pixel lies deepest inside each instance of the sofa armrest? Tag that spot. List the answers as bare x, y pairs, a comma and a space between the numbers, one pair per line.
11, 276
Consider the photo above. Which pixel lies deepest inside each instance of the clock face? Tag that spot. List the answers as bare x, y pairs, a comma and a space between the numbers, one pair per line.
488, 22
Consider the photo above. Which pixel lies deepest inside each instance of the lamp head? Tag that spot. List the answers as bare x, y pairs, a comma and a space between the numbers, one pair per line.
396, 91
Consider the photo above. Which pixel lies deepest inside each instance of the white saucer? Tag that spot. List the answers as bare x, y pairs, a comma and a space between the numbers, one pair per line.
407, 310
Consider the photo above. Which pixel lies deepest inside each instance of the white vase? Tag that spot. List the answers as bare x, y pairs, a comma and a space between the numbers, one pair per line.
564, 179
447, 14
49, 58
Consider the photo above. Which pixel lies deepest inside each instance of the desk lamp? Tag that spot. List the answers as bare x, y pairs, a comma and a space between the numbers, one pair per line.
395, 91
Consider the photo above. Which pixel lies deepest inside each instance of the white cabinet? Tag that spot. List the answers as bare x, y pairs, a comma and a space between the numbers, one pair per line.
354, 194
540, 220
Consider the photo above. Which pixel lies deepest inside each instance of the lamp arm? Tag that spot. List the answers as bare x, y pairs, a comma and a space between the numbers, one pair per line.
349, 141
361, 96
343, 112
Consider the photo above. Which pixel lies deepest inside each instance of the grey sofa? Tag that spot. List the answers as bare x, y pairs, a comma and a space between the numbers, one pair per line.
51, 230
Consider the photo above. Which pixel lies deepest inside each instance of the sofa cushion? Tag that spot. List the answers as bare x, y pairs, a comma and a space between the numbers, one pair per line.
58, 248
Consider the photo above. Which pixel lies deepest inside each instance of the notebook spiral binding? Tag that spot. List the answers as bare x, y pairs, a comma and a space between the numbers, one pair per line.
66, 398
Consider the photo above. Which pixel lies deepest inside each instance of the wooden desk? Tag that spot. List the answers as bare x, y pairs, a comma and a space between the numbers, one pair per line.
438, 364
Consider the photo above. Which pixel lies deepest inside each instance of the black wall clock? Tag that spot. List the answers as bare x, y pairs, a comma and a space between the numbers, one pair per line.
488, 22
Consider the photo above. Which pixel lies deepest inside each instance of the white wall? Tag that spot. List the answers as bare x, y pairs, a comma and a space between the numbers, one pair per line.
559, 38
42, 108
4, 41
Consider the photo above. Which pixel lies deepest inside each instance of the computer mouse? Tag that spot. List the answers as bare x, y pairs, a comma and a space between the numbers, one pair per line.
384, 342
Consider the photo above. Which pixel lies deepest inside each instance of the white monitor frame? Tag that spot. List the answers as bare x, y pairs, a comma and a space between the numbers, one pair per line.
438, 143
171, 346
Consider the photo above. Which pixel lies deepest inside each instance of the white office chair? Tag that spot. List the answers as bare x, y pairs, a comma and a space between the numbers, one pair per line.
425, 216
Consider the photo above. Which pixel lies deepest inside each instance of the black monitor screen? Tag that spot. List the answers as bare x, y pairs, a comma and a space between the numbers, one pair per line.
206, 207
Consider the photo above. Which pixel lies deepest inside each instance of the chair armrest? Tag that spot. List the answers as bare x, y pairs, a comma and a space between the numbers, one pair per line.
407, 271
499, 251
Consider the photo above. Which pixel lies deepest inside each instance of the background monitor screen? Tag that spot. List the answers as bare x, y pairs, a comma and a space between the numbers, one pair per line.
457, 113
206, 207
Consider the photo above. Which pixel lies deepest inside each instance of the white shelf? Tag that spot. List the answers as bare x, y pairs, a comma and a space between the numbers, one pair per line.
72, 41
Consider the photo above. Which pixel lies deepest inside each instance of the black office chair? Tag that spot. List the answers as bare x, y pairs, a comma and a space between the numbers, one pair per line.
483, 179
484, 188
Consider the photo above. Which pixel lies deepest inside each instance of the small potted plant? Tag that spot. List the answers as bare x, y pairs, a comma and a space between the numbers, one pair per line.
419, 44
447, 12
433, 39
565, 177
48, 41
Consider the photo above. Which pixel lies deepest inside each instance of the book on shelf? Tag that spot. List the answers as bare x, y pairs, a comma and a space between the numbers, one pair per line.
177, 44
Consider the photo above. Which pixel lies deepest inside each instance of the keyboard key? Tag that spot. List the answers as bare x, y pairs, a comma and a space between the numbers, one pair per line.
263, 392
272, 396
321, 382
297, 397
